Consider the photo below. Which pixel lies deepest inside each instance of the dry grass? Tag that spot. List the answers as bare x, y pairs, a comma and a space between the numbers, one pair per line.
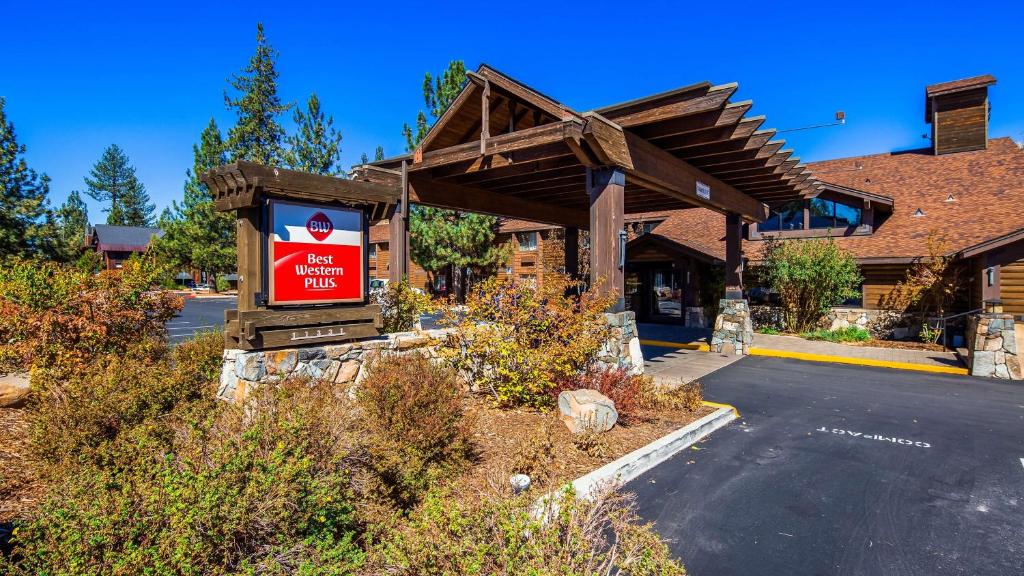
20, 486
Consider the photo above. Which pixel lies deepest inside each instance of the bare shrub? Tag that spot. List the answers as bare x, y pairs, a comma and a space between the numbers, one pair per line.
626, 390
686, 396
533, 454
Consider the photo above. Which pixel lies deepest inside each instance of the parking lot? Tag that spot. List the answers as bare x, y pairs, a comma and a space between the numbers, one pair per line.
199, 314
848, 470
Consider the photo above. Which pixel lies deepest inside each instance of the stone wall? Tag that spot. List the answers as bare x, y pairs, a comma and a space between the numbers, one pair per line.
734, 329
623, 348
345, 364
339, 363
992, 347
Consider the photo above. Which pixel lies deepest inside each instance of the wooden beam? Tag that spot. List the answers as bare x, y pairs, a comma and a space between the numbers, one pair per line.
730, 115
485, 117
716, 97
607, 218
445, 194
556, 132
654, 167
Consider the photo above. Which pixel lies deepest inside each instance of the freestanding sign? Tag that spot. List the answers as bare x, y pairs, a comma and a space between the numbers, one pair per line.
303, 275
316, 254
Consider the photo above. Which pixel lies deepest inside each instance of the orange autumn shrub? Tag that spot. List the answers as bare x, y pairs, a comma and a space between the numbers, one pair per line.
53, 315
518, 342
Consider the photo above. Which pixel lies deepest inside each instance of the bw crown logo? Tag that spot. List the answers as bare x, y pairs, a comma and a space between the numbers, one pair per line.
319, 226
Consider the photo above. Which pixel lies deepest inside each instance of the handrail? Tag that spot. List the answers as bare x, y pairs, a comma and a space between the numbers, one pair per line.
945, 321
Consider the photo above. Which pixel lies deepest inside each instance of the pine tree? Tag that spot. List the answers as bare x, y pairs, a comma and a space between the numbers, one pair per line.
257, 136
378, 154
442, 239
316, 146
112, 179
438, 95
25, 221
72, 224
195, 234
364, 159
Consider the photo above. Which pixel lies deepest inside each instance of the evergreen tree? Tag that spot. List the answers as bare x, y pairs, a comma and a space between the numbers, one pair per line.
195, 234
378, 154
26, 225
257, 136
72, 225
438, 95
363, 158
444, 239
316, 146
112, 179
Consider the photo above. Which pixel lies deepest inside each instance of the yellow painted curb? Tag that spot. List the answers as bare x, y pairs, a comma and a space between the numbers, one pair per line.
857, 361
677, 345
717, 405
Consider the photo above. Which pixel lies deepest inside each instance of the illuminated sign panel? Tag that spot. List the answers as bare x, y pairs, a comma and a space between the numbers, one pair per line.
316, 254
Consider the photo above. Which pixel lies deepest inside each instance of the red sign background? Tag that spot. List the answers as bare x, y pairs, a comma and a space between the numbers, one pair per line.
316, 254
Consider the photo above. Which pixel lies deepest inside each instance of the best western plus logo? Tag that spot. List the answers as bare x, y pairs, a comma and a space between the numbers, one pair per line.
319, 226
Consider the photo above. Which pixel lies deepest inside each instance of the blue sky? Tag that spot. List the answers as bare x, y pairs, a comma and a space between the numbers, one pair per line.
148, 76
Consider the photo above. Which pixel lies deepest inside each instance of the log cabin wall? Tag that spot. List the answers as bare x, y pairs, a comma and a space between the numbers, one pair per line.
879, 281
960, 123
1011, 287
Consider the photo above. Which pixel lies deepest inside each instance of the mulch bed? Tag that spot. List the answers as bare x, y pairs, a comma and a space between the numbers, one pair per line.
901, 345
499, 435
19, 487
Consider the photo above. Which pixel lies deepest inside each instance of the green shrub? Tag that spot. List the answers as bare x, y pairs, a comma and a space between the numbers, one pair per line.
77, 412
447, 536
414, 428
401, 306
848, 334
768, 330
519, 343
222, 284
255, 489
810, 276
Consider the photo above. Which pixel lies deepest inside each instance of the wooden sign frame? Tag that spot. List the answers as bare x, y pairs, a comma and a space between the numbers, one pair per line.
248, 189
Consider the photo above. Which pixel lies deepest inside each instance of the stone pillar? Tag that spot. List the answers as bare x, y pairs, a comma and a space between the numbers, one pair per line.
623, 347
734, 330
992, 346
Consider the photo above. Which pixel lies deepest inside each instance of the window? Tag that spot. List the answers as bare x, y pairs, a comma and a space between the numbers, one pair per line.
528, 280
829, 214
648, 227
527, 240
789, 216
373, 250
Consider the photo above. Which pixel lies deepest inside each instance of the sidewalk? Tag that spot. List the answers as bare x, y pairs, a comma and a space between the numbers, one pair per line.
675, 352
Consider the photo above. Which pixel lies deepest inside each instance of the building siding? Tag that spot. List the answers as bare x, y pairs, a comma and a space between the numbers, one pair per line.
1011, 287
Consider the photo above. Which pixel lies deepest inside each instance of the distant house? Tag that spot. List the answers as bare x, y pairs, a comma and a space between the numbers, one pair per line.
115, 244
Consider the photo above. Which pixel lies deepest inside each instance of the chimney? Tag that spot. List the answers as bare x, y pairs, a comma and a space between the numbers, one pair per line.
958, 112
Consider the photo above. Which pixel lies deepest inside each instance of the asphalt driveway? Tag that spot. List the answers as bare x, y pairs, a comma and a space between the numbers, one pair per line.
848, 470
199, 314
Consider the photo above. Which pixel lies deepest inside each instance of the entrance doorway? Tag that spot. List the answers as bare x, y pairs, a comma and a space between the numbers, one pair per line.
655, 292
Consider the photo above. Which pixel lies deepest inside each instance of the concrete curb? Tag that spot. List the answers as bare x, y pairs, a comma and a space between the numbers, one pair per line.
643, 459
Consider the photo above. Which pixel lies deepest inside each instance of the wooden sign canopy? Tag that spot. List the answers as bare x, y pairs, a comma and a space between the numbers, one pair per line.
255, 192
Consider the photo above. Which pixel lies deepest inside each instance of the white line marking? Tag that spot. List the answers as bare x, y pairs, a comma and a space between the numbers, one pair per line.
1022, 461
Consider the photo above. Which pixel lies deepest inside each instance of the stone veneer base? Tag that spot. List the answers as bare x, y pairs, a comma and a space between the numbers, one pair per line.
734, 329
992, 347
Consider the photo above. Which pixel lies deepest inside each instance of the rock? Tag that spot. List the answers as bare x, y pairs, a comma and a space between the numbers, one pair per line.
14, 389
250, 366
983, 363
520, 483
992, 344
228, 383
1002, 372
281, 362
348, 371
587, 410
407, 342
636, 356
308, 354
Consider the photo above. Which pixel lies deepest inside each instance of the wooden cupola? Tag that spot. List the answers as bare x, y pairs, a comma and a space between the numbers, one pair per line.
958, 112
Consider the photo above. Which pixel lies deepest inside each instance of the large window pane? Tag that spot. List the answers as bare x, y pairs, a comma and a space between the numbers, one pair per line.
822, 213
847, 216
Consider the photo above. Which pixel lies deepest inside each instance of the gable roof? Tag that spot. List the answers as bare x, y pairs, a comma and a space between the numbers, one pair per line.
123, 238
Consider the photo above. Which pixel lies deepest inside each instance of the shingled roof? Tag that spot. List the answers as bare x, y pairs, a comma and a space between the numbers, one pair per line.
969, 198
123, 238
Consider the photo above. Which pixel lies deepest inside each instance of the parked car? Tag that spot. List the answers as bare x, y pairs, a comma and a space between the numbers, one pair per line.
201, 287
763, 295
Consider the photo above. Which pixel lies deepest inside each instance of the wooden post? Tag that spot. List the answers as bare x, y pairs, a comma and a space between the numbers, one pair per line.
250, 269
572, 253
605, 187
398, 233
733, 256
485, 117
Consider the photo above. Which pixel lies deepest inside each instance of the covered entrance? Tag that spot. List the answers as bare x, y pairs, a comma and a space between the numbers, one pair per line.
505, 149
669, 283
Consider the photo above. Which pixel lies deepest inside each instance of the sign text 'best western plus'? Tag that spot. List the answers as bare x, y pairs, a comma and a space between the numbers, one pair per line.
316, 254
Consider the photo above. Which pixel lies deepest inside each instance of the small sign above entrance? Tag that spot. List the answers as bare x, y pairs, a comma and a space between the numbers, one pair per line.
316, 254
703, 190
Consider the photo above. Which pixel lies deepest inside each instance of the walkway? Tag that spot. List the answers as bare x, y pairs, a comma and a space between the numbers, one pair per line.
666, 361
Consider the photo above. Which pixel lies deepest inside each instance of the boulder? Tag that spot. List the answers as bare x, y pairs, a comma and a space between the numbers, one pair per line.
14, 389
587, 409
